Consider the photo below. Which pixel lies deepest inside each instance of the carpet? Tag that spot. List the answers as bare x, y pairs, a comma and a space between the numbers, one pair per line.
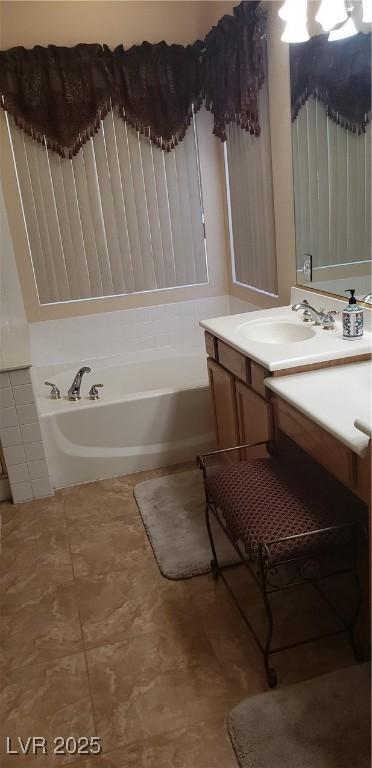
172, 510
320, 723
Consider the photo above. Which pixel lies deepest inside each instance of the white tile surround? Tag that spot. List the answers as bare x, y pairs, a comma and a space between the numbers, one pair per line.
126, 332
20, 437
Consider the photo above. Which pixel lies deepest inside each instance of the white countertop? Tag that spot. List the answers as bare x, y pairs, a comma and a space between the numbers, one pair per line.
335, 399
323, 346
365, 425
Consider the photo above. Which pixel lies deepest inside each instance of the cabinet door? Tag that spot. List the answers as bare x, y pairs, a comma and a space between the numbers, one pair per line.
254, 419
222, 385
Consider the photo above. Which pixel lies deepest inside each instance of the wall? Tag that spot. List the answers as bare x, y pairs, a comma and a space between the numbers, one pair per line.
281, 150
104, 21
12, 311
14, 347
12, 314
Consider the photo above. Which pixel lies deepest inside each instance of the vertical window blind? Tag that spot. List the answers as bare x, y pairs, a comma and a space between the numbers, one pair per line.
250, 202
121, 217
332, 185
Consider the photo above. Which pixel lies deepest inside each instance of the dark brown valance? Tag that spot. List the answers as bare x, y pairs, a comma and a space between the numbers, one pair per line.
59, 95
157, 86
337, 73
233, 68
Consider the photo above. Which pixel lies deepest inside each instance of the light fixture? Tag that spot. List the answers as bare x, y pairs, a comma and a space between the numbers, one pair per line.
347, 30
367, 12
295, 33
294, 12
331, 12
287, 10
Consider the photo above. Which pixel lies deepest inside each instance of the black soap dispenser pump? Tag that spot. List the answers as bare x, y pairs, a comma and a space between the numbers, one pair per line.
352, 318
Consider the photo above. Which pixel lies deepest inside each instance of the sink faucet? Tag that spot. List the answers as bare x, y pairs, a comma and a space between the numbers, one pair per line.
325, 319
74, 391
368, 298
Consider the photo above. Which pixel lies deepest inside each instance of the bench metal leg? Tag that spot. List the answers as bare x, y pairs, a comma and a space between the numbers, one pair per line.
215, 566
260, 574
270, 672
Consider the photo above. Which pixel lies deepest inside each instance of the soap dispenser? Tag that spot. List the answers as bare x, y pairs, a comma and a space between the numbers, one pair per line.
352, 318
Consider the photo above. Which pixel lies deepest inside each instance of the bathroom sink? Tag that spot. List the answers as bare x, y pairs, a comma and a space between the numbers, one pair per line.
278, 332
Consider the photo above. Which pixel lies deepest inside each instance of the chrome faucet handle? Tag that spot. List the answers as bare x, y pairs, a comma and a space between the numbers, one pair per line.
93, 392
329, 320
54, 392
306, 317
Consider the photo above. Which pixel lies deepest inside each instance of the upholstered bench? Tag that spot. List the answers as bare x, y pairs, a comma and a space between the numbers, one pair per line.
276, 518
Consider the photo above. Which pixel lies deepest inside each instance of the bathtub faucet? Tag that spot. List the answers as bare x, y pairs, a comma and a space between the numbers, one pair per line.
74, 391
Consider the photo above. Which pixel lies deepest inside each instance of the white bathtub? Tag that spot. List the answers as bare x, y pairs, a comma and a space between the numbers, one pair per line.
150, 414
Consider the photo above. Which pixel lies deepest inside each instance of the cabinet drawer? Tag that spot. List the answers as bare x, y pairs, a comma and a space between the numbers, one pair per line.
318, 443
210, 345
233, 361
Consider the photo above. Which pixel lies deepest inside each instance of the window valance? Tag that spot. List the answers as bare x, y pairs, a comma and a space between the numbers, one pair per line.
60, 95
338, 73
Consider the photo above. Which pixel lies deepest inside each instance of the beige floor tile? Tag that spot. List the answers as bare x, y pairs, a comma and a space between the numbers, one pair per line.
101, 547
38, 625
130, 602
45, 700
36, 549
312, 660
99, 502
205, 745
167, 659
298, 613
139, 477
150, 685
228, 635
215, 607
24, 521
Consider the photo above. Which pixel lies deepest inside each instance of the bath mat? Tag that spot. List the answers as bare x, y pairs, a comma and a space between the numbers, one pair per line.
320, 723
172, 510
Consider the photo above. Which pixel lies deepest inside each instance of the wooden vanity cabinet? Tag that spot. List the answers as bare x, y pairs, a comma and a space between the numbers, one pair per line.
240, 414
319, 444
246, 412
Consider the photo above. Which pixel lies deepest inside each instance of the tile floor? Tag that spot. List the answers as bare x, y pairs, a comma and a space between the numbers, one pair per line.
95, 642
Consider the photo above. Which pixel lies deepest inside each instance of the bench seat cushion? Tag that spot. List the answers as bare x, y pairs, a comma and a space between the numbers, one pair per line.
262, 502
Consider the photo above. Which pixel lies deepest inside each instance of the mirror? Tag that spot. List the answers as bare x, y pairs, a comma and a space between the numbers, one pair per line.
331, 145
